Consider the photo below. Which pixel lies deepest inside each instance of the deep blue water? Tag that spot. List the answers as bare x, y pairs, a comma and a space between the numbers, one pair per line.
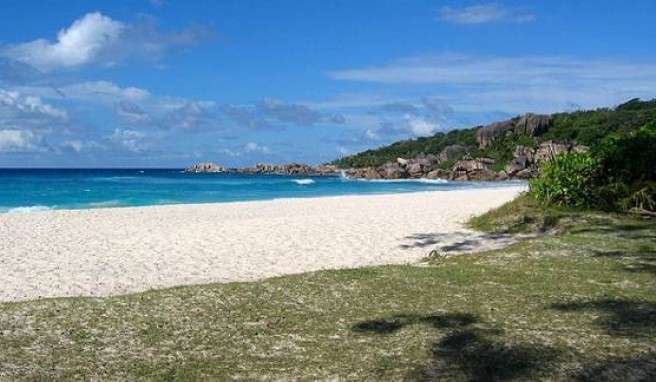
36, 189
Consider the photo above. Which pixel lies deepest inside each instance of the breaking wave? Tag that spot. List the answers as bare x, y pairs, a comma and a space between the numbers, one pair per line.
420, 180
303, 182
25, 209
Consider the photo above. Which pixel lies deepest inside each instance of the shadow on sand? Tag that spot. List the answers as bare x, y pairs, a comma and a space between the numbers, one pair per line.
460, 242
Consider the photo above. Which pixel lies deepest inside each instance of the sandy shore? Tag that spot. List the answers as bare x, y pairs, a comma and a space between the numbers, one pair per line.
114, 251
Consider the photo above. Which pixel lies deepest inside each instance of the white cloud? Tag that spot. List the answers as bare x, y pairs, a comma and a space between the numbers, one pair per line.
190, 117
253, 147
98, 39
288, 112
372, 135
275, 114
19, 105
19, 141
484, 14
77, 145
103, 91
517, 84
78, 45
132, 140
131, 113
421, 127
230, 153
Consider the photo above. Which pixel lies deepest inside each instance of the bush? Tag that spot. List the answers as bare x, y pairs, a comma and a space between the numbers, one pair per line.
619, 174
567, 181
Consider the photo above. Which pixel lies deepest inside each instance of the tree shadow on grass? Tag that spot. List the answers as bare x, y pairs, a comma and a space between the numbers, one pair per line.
481, 355
622, 318
635, 369
643, 259
468, 350
640, 229
398, 322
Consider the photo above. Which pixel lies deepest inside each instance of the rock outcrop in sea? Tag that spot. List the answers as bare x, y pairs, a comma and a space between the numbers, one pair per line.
266, 168
205, 167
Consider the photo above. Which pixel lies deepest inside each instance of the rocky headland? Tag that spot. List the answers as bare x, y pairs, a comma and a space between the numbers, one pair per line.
455, 162
524, 164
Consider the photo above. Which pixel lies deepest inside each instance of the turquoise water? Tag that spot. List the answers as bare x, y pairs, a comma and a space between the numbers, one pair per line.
41, 189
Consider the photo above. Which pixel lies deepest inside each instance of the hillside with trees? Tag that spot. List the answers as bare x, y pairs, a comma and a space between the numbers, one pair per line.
496, 143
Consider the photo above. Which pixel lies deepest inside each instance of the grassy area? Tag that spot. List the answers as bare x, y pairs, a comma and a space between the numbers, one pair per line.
579, 305
525, 215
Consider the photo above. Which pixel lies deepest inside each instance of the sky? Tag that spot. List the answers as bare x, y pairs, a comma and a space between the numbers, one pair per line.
166, 83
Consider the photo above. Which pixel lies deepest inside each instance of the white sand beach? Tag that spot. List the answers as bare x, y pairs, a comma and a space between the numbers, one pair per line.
103, 252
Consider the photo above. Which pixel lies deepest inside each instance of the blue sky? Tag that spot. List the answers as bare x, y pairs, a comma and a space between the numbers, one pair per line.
165, 83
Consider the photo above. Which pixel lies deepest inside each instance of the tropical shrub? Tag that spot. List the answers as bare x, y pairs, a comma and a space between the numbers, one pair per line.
567, 181
619, 174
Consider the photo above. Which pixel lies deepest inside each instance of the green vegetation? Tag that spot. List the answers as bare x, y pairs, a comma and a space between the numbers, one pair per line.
525, 215
580, 305
618, 174
409, 148
591, 127
581, 127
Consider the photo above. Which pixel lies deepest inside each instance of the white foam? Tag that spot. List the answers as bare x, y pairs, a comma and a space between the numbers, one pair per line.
106, 204
303, 182
419, 180
28, 209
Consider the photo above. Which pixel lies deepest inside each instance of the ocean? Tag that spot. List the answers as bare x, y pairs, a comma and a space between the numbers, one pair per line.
23, 190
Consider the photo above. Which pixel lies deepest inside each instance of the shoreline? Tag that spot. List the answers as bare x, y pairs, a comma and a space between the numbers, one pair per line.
493, 185
111, 251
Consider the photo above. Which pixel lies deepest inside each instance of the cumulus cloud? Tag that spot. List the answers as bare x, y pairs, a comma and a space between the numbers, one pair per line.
20, 141
77, 146
131, 113
275, 114
132, 140
245, 116
96, 39
231, 153
191, 116
288, 112
484, 14
372, 135
77, 45
253, 147
421, 127
185, 115
104, 91
16, 105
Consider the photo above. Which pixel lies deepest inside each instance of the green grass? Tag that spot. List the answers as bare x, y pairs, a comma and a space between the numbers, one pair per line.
525, 215
578, 305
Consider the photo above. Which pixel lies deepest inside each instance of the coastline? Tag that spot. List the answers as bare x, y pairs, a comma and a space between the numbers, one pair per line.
110, 251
